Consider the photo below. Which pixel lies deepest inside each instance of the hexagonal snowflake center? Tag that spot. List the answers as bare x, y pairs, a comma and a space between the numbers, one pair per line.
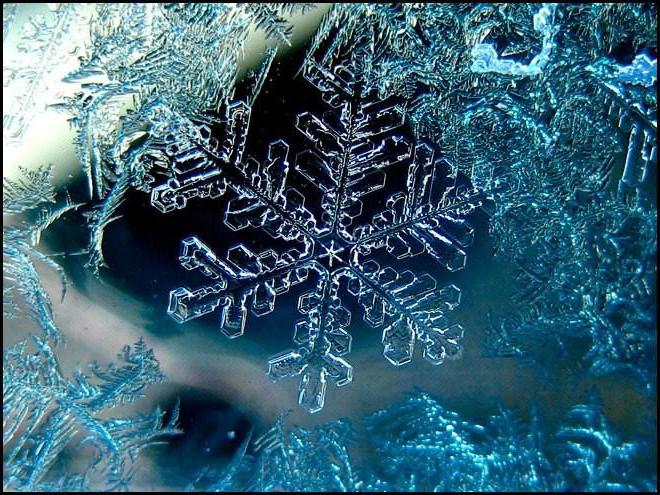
333, 254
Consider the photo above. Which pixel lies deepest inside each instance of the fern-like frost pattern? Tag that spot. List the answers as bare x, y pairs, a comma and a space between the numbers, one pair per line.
45, 413
47, 416
421, 446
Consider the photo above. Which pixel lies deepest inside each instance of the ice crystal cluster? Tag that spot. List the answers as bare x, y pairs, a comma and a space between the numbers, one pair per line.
50, 421
46, 416
420, 446
22, 291
507, 96
583, 238
542, 115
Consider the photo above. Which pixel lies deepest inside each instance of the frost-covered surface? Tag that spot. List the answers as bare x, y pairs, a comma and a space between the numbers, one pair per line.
51, 422
543, 114
568, 156
586, 257
517, 139
418, 445
486, 59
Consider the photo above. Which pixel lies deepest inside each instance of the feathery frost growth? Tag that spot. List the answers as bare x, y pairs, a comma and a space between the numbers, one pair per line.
543, 115
31, 75
418, 445
22, 291
50, 422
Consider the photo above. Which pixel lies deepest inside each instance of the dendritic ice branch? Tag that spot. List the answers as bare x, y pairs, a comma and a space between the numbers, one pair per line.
420, 446
22, 291
50, 422
188, 55
351, 151
46, 415
44, 54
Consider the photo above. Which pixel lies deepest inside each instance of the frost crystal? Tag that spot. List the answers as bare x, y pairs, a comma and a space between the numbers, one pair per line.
49, 419
44, 53
516, 138
486, 59
352, 149
8, 15
420, 446
290, 460
561, 150
44, 414
21, 288
585, 258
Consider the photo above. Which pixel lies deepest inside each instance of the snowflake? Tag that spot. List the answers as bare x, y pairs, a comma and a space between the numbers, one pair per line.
352, 150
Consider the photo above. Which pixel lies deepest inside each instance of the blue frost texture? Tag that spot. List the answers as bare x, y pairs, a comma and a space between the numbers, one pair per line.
515, 130
420, 446
560, 151
51, 422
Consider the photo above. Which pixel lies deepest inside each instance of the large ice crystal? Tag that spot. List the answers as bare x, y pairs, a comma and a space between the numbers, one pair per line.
351, 151
546, 115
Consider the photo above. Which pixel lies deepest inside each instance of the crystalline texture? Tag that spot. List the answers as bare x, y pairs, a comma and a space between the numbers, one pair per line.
486, 59
351, 148
44, 51
422, 446
44, 412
